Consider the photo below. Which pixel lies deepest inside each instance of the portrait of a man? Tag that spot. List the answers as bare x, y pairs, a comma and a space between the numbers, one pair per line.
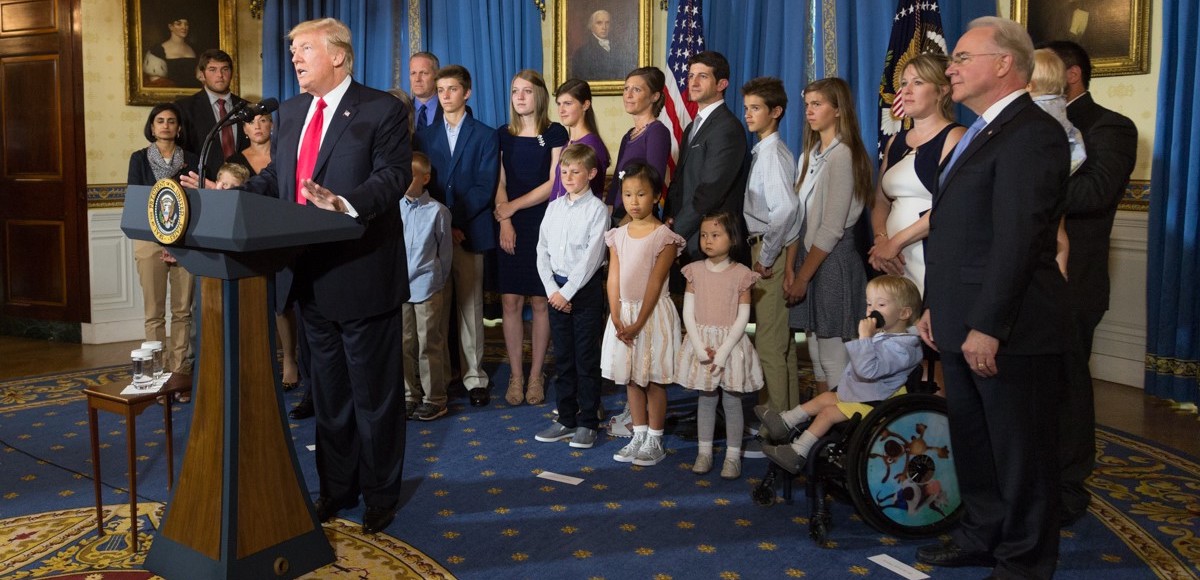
1115, 33
596, 57
602, 37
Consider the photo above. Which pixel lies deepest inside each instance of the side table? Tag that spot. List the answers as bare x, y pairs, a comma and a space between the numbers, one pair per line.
109, 398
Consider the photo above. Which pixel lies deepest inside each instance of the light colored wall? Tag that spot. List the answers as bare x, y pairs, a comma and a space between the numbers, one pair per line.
113, 129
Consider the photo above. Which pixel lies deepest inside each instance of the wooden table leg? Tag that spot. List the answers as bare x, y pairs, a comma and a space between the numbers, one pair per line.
93, 430
131, 450
170, 446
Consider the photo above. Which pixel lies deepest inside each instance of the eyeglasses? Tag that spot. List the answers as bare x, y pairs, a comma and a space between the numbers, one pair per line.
965, 57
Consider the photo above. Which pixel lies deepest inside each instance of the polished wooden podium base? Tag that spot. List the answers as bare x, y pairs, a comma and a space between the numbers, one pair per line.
241, 509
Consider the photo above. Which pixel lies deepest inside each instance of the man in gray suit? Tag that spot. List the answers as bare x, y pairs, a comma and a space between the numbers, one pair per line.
711, 173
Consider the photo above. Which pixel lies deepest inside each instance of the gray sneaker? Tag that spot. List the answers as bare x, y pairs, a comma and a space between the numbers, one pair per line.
428, 411
776, 430
621, 425
555, 432
583, 438
651, 452
629, 451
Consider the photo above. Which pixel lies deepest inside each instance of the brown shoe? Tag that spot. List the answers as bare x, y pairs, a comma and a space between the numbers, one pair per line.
178, 380
516, 390
537, 390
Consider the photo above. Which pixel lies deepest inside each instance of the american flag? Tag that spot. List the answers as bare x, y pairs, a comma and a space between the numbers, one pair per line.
916, 29
687, 38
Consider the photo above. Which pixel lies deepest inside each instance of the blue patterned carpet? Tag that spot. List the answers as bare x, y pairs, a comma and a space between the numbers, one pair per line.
474, 507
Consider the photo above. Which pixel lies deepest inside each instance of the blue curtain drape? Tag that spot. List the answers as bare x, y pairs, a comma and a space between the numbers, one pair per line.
376, 27
494, 40
761, 38
1172, 292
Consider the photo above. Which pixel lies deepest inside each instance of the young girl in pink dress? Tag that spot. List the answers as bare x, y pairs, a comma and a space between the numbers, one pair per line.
642, 336
717, 355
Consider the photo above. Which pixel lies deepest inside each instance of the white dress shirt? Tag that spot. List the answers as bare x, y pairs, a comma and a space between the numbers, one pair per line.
571, 242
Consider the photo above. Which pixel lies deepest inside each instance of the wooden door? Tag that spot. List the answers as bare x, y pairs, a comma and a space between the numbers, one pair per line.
43, 205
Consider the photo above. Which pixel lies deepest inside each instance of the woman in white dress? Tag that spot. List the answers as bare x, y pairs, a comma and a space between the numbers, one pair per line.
911, 166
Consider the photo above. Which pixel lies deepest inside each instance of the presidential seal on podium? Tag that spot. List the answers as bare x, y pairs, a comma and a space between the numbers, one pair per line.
167, 208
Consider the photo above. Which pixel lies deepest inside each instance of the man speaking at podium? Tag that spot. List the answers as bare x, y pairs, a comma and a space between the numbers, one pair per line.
344, 147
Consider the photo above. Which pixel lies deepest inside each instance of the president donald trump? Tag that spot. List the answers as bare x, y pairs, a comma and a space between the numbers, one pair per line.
344, 147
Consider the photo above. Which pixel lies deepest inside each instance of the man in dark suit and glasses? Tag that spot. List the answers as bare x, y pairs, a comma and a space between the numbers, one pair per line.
344, 147
1093, 194
202, 110
997, 308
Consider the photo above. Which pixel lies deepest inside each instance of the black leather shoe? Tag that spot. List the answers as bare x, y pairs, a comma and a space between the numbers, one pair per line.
377, 518
325, 509
951, 555
480, 396
304, 410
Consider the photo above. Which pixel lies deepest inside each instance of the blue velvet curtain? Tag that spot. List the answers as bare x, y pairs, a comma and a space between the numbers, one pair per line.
494, 40
800, 41
761, 38
1172, 292
376, 26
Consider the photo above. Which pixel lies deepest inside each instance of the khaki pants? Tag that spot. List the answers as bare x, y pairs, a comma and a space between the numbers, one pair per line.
466, 274
426, 368
773, 339
155, 277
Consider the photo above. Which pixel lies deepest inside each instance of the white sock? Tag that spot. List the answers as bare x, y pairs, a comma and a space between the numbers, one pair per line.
795, 416
655, 432
640, 429
705, 448
804, 443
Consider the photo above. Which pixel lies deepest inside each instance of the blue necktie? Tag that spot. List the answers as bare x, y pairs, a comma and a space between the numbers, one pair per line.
421, 115
972, 131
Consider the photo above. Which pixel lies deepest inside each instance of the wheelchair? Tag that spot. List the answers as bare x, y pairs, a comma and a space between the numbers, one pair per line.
895, 466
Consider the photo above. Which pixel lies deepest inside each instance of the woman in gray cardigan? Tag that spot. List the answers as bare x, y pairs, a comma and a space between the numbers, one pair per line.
824, 279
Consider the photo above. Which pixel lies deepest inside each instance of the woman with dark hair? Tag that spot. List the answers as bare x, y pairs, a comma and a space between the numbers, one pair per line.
257, 156
574, 99
529, 149
172, 63
165, 159
649, 141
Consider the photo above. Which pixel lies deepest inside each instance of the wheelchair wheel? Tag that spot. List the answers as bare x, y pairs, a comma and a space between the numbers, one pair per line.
900, 469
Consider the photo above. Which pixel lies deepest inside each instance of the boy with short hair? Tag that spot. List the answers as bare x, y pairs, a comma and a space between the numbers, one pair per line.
232, 175
570, 250
770, 209
465, 157
427, 242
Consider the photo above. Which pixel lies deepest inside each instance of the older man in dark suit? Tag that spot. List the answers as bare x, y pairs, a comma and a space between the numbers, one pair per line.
344, 147
1093, 193
202, 110
711, 172
997, 308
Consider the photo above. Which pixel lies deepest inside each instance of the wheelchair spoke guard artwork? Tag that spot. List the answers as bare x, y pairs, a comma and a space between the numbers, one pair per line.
902, 478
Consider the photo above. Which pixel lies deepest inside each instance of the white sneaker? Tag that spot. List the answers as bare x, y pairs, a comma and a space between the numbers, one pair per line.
629, 451
732, 468
621, 425
651, 452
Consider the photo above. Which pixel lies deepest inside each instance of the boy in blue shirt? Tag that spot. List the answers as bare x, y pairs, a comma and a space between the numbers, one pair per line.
427, 242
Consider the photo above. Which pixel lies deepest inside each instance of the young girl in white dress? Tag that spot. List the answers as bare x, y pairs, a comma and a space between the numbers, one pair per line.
642, 336
717, 355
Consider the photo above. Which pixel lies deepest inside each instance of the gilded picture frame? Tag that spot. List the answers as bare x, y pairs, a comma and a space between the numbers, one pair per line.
1116, 33
163, 39
579, 50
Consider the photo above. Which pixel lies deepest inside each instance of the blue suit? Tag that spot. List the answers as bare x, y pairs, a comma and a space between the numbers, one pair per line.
466, 180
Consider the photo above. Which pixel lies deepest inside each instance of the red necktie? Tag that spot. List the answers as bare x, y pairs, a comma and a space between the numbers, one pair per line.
226, 132
310, 145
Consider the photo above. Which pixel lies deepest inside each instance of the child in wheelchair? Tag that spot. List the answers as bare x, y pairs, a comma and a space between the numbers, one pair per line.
880, 362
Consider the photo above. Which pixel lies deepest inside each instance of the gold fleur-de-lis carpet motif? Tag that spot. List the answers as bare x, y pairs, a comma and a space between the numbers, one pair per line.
473, 505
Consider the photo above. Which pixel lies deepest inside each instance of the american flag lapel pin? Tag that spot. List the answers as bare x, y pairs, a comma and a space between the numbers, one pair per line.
345, 113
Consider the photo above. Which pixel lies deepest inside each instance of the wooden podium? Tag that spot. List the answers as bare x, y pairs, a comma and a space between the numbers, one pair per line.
241, 508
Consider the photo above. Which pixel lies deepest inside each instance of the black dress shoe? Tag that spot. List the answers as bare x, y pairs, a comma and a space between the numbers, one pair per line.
325, 509
480, 396
951, 555
304, 410
377, 518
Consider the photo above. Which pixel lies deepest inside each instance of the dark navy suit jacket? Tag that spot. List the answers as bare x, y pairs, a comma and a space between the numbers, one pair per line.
466, 180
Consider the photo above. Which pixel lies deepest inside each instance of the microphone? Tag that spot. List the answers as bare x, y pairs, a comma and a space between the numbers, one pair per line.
878, 318
246, 112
